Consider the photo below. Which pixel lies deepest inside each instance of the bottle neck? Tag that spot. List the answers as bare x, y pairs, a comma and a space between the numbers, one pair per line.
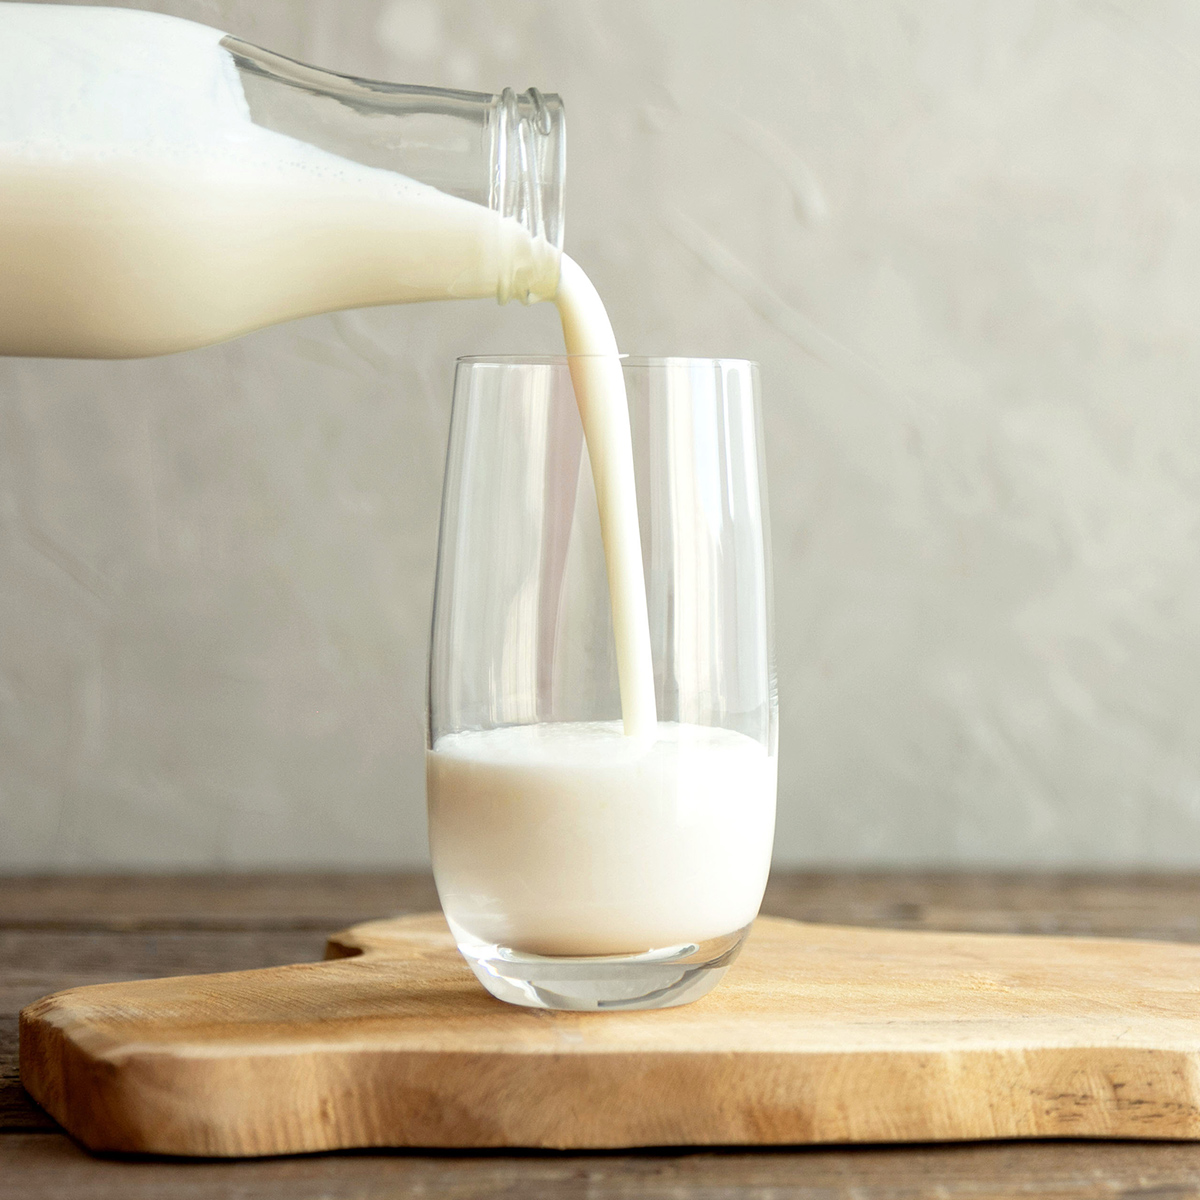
506, 152
528, 173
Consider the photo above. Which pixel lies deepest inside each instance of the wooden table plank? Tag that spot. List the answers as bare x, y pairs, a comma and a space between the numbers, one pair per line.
1163, 906
18, 1113
50, 1167
320, 902
59, 932
30, 956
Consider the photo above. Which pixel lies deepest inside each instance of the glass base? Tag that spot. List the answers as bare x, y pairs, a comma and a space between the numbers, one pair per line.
609, 983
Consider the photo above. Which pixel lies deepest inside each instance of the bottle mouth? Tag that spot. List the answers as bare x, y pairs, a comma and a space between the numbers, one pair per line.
528, 186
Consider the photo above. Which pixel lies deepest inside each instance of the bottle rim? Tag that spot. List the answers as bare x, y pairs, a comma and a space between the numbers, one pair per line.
528, 186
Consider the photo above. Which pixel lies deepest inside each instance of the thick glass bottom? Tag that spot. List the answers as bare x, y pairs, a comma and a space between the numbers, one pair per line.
608, 983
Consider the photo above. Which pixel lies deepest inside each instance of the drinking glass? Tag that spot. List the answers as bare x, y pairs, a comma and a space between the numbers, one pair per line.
580, 868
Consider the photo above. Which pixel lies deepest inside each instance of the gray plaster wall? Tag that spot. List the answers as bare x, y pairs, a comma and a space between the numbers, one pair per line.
963, 240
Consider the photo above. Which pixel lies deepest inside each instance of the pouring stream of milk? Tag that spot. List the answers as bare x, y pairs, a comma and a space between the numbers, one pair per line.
600, 393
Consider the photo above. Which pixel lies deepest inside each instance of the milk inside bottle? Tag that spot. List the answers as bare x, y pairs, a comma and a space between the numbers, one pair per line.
164, 186
151, 199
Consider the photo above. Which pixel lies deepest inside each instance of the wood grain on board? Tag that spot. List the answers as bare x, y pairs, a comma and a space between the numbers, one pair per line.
818, 1034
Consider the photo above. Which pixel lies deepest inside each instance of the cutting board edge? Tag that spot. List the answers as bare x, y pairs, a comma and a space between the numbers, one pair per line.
786, 1099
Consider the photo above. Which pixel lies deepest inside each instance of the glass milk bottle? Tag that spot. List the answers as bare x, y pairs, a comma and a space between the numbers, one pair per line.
164, 186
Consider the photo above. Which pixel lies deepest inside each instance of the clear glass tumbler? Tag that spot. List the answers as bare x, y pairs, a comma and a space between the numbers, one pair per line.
580, 868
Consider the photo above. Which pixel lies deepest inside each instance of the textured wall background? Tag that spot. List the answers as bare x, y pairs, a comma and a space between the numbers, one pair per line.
962, 238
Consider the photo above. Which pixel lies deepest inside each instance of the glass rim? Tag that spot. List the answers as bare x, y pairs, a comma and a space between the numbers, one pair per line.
626, 360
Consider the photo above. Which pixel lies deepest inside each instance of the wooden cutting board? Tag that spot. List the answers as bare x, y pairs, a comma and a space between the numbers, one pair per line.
817, 1034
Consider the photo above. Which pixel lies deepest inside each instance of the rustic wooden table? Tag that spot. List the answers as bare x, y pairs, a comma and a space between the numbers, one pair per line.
57, 933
